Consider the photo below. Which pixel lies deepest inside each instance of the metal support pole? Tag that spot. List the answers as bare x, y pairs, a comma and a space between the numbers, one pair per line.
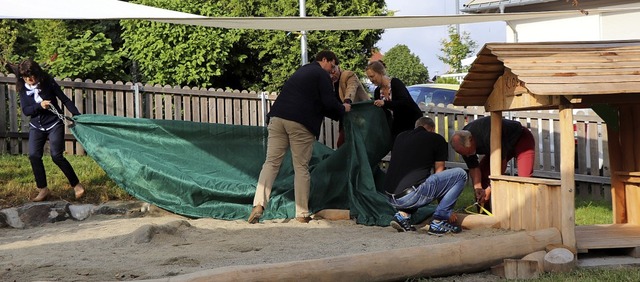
457, 13
263, 105
136, 101
303, 35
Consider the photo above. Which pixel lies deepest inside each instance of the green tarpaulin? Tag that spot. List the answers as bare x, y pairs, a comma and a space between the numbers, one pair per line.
211, 170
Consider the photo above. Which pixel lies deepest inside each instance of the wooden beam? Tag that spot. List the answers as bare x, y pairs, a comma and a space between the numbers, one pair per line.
626, 138
509, 93
496, 144
567, 177
476, 221
615, 163
399, 264
583, 88
635, 110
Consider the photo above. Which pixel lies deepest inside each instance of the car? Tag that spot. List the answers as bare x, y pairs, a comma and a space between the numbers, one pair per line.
435, 93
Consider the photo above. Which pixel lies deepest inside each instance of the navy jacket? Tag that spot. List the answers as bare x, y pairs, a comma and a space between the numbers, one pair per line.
405, 110
307, 97
44, 119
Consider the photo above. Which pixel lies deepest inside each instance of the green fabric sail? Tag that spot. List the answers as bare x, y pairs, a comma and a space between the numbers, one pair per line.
211, 170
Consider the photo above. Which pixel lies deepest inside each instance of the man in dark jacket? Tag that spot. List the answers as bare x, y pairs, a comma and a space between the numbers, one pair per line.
294, 121
474, 140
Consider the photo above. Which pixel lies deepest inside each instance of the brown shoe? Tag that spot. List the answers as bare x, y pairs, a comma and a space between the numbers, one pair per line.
42, 195
79, 190
256, 213
303, 219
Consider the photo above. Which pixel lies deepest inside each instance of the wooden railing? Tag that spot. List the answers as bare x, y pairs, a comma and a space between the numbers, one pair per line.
249, 108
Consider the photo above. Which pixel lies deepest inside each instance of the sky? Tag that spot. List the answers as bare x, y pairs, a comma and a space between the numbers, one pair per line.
425, 41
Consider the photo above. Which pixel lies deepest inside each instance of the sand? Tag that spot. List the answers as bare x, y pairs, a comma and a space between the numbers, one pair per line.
111, 248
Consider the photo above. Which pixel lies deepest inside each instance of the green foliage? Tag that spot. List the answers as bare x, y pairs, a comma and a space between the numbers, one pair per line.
50, 35
242, 59
447, 80
457, 48
87, 56
64, 48
406, 66
7, 41
192, 55
180, 54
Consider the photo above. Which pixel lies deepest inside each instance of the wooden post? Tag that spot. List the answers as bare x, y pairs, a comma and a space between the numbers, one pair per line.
618, 198
495, 164
626, 138
496, 143
567, 177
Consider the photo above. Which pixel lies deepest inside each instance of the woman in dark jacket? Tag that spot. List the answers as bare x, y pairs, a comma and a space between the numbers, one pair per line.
39, 94
392, 95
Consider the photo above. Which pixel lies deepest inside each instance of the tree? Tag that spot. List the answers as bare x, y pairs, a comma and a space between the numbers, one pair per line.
7, 41
406, 66
457, 48
239, 58
64, 48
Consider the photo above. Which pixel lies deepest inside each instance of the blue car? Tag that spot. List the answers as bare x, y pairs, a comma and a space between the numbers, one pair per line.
435, 93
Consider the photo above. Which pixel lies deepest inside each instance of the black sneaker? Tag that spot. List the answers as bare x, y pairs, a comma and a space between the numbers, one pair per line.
401, 223
442, 227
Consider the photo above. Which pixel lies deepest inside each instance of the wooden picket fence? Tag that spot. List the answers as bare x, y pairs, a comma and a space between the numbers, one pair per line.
249, 108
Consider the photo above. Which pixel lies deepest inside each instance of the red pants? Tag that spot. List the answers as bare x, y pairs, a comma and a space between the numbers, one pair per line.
524, 152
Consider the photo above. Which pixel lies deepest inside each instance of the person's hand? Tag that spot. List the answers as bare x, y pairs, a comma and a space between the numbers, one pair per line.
483, 196
347, 107
487, 194
45, 104
479, 195
379, 103
453, 218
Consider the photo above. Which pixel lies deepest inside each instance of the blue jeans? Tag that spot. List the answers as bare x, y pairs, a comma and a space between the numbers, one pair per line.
444, 186
37, 139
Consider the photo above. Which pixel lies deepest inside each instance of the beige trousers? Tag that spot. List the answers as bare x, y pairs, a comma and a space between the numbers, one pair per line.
285, 134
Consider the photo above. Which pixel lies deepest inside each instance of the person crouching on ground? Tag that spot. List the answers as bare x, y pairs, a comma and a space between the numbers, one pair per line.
410, 185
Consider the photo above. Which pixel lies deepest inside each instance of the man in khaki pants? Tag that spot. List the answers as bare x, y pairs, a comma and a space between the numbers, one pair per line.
294, 122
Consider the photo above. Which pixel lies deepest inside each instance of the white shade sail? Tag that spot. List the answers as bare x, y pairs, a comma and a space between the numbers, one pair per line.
113, 9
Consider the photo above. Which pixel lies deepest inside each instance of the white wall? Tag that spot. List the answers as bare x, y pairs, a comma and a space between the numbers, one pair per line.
606, 26
621, 26
573, 29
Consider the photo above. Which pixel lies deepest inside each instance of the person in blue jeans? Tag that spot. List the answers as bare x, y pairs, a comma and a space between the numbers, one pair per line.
409, 183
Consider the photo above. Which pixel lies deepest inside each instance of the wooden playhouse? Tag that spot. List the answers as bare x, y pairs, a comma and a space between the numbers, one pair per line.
602, 75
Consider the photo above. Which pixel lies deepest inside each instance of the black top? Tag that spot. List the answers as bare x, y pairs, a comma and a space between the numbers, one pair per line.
307, 97
41, 118
405, 110
481, 131
413, 157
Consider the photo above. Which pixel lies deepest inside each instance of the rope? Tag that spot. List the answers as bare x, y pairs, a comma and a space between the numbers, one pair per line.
482, 209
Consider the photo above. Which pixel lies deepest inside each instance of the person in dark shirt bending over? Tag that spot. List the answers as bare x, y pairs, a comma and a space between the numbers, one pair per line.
409, 183
474, 140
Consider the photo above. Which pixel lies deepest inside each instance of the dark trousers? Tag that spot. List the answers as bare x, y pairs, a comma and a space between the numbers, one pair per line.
37, 139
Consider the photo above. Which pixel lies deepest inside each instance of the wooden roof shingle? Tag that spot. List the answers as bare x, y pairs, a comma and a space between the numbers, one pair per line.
555, 69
